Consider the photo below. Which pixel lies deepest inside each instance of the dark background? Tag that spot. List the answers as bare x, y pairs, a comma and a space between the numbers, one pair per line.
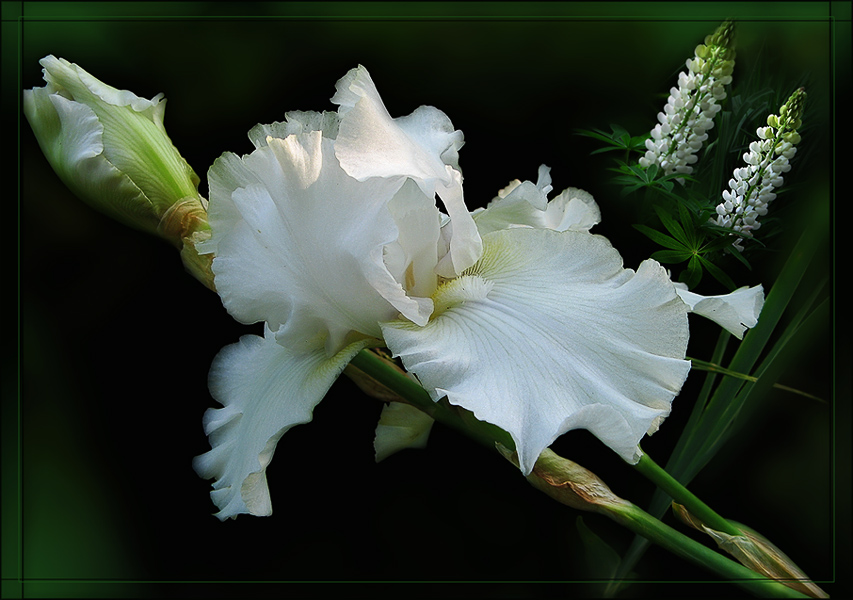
116, 339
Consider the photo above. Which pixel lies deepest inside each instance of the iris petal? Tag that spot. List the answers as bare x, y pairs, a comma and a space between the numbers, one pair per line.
265, 389
548, 333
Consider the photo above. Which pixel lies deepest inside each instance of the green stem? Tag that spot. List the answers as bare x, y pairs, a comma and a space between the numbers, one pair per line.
652, 471
459, 419
642, 523
622, 512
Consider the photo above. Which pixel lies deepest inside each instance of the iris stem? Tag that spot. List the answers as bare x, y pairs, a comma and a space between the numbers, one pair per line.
657, 475
623, 512
642, 523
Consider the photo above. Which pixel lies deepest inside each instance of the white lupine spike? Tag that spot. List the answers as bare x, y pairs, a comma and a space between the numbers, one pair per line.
691, 107
767, 159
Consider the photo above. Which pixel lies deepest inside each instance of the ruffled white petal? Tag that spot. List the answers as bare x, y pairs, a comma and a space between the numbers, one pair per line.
295, 123
264, 390
373, 144
573, 210
411, 259
735, 312
422, 146
548, 333
523, 204
400, 426
465, 247
299, 244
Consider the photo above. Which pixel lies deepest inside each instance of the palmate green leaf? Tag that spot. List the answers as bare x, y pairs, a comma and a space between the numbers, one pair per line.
694, 236
618, 139
724, 242
717, 273
740, 257
670, 256
662, 239
629, 190
692, 275
607, 149
596, 134
669, 193
630, 180
674, 228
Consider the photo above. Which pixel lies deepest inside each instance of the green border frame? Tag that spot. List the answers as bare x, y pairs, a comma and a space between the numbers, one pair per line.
15, 14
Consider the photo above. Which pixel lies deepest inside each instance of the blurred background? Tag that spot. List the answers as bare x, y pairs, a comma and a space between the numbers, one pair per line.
117, 340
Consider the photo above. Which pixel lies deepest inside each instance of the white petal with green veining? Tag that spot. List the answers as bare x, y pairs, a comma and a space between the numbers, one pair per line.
547, 333
265, 389
71, 137
132, 140
735, 312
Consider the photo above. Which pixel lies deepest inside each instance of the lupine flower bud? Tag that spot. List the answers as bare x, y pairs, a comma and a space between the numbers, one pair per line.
691, 107
751, 190
111, 149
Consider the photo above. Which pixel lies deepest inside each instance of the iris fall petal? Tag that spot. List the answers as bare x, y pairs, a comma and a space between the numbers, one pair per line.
548, 333
265, 389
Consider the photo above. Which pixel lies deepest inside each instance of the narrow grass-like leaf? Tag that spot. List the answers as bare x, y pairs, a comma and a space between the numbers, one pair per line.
692, 451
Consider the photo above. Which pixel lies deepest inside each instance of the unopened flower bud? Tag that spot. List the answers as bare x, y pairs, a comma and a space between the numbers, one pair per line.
111, 149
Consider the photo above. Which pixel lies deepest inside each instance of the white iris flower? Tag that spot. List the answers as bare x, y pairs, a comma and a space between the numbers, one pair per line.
329, 234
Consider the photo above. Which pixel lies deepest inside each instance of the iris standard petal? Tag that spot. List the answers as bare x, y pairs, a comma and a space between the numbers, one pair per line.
547, 333
573, 210
296, 122
265, 389
299, 244
373, 144
422, 146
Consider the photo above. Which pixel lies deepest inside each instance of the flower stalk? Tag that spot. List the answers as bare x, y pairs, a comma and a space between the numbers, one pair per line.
652, 471
571, 484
